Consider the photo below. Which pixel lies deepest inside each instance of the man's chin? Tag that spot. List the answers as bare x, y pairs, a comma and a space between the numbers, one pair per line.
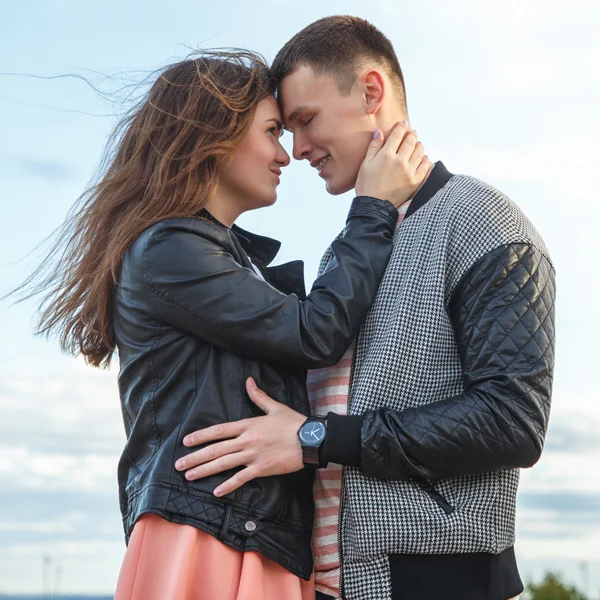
336, 188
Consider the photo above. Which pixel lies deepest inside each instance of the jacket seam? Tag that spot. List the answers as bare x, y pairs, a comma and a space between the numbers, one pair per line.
154, 386
221, 502
190, 406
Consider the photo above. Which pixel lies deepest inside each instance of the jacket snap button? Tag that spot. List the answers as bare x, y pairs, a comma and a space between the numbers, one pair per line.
250, 526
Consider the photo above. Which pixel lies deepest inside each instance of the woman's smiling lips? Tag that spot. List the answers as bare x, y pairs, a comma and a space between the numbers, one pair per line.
277, 173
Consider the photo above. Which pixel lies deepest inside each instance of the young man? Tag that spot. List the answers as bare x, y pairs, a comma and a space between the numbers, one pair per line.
445, 393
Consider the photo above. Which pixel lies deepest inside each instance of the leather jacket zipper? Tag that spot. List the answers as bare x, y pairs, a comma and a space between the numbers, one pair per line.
430, 490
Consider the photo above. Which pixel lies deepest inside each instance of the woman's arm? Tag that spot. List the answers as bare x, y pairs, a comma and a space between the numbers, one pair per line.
198, 287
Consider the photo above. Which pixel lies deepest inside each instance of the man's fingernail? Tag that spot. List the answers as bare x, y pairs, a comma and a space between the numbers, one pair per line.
180, 464
404, 122
251, 383
376, 133
217, 492
190, 475
415, 131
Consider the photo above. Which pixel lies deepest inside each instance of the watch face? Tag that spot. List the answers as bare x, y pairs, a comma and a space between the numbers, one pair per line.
312, 433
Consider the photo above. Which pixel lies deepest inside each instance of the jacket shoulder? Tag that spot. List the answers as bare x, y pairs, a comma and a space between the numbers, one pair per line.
177, 234
474, 219
198, 229
480, 213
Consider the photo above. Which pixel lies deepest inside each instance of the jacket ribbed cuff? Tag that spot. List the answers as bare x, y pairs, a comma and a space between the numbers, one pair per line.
368, 206
342, 443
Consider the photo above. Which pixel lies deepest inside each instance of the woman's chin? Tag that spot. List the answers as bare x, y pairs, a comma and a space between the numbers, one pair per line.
263, 202
268, 200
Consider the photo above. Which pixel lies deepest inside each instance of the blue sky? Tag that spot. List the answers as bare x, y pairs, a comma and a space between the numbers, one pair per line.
504, 91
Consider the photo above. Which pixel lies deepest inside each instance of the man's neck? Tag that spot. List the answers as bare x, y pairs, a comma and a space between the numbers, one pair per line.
389, 115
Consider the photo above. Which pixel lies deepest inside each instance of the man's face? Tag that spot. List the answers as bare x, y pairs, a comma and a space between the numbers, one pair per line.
330, 130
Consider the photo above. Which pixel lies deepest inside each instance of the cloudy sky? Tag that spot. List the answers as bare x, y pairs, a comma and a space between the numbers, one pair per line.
507, 91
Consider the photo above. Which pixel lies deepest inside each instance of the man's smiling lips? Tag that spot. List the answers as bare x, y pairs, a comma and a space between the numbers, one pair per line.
320, 163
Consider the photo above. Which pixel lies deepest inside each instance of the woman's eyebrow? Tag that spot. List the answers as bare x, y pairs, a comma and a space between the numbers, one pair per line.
277, 122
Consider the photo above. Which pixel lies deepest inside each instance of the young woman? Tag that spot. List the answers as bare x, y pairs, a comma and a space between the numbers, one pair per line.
155, 268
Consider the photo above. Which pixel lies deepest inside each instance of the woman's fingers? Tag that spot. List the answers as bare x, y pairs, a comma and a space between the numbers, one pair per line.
424, 168
395, 138
375, 145
409, 143
417, 156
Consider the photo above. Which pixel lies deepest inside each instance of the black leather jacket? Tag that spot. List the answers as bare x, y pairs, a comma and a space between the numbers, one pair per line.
192, 322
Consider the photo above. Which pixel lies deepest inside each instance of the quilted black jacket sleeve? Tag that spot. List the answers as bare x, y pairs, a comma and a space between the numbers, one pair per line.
503, 316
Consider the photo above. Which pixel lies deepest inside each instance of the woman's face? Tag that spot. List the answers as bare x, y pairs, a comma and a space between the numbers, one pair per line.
250, 179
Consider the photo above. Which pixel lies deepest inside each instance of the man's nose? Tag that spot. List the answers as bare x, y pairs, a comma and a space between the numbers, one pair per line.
301, 147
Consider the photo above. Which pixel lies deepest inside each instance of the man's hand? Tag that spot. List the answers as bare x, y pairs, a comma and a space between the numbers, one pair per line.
266, 445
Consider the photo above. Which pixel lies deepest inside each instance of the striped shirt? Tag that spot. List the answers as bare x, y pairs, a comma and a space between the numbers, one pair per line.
328, 392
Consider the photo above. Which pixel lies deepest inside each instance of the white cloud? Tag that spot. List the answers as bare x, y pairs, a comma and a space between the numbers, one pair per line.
63, 523
28, 469
89, 566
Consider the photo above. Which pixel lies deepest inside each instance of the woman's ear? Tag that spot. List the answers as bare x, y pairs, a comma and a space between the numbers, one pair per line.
373, 90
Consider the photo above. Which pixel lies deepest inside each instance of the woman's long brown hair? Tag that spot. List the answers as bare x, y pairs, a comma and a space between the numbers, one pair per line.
161, 162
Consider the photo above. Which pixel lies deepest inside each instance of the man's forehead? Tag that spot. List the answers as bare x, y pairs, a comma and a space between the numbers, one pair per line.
295, 93
303, 90
292, 107
295, 101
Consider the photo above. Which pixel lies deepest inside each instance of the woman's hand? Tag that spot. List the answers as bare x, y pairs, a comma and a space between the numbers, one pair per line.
393, 170
266, 445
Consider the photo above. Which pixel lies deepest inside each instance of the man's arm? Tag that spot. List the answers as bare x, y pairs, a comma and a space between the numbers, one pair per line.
503, 316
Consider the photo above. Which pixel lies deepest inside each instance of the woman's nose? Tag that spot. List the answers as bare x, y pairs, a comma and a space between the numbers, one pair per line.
282, 158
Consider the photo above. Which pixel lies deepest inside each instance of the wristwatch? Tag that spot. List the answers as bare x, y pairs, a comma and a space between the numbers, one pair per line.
312, 434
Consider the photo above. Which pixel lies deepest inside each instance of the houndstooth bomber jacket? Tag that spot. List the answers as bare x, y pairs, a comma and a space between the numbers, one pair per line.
450, 386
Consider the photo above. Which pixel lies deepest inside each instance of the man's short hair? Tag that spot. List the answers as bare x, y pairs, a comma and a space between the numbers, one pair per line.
338, 46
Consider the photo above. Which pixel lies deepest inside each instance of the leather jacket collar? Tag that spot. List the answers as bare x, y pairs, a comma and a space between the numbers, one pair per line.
262, 250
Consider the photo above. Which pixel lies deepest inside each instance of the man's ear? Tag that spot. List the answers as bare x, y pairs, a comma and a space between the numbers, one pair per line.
373, 90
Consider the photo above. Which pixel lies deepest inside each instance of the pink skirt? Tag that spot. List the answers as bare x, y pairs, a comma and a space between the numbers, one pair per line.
168, 561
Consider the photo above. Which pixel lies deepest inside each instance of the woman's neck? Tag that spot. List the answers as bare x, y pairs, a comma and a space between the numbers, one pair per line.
225, 212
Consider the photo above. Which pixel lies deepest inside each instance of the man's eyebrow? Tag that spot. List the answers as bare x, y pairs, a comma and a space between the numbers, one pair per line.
299, 109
